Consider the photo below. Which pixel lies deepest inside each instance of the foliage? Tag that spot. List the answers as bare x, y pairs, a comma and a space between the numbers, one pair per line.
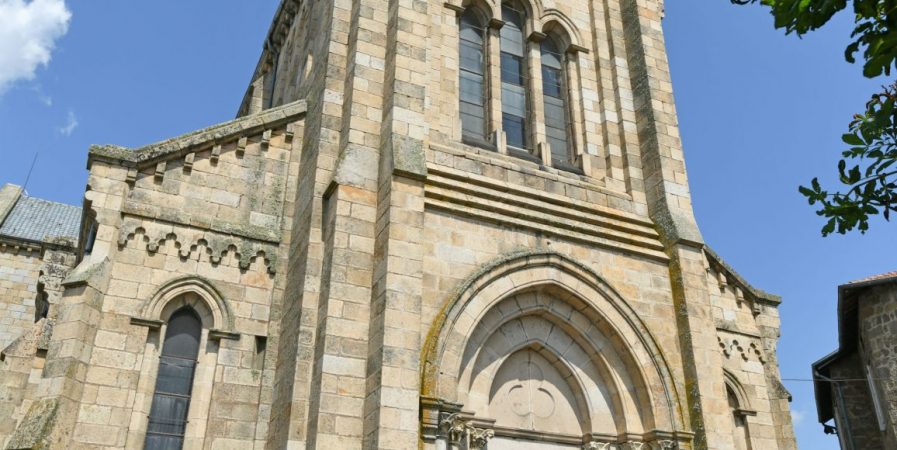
870, 181
875, 32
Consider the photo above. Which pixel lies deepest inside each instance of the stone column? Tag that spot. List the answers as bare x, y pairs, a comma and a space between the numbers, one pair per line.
393, 371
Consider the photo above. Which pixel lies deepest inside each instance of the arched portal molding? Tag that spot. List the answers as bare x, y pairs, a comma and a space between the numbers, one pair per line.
195, 292
470, 305
570, 341
486, 9
555, 23
741, 395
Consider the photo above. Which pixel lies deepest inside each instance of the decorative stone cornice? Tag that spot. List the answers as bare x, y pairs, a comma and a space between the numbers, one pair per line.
181, 146
732, 346
194, 244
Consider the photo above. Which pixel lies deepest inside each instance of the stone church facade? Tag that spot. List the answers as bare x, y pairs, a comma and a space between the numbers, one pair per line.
434, 224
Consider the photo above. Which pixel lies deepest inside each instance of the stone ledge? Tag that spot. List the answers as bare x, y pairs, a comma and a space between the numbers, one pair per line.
558, 232
148, 323
526, 167
506, 187
533, 202
151, 154
218, 335
585, 224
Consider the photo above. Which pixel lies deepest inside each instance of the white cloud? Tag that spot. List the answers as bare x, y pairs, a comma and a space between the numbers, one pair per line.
797, 416
70, 124
28, 33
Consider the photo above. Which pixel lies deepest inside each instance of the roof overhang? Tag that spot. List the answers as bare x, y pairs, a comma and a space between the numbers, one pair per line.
848, 336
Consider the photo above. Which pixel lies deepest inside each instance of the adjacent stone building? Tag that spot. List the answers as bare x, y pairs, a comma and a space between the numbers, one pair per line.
856, 386
432, 225
38, 247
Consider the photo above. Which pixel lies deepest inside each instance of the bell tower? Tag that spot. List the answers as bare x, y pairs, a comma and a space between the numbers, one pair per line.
445, 138
433, 225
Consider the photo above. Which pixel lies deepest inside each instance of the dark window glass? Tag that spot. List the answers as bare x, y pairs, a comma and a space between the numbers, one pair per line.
554, 97
512, 69
471, 83
515, 130
177, 365
514, 101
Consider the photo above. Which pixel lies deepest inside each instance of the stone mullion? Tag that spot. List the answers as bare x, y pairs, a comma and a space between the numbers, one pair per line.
493, 92
452, 37
574, 109
535, 104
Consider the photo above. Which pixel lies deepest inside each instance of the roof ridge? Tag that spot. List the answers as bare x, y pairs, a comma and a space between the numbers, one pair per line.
881, 276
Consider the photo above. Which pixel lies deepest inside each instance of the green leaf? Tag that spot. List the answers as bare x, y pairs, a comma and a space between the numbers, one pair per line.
852, 139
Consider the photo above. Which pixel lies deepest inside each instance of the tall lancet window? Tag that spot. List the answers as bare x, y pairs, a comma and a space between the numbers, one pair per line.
171, 400
554, 92
513, 78
472, 78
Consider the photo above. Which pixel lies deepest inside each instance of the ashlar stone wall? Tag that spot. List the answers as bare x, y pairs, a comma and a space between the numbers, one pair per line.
878, 333
19, 270
198, 221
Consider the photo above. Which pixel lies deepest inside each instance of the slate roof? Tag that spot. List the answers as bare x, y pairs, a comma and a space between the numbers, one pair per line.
34, 219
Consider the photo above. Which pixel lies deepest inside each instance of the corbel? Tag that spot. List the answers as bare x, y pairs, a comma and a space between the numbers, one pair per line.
739, 295
573, 49
217, 335
216, 153
160, 171
188, 162
131, 178
266, 139
537, 36
288, 135
458, 9
241, 146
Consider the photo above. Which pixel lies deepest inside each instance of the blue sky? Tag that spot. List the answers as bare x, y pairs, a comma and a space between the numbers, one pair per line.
760, 113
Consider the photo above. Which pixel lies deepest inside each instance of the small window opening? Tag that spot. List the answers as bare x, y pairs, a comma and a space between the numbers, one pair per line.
174, 383
41, 303
514, 79
261, 344
554, 92
91, 238
472, 79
